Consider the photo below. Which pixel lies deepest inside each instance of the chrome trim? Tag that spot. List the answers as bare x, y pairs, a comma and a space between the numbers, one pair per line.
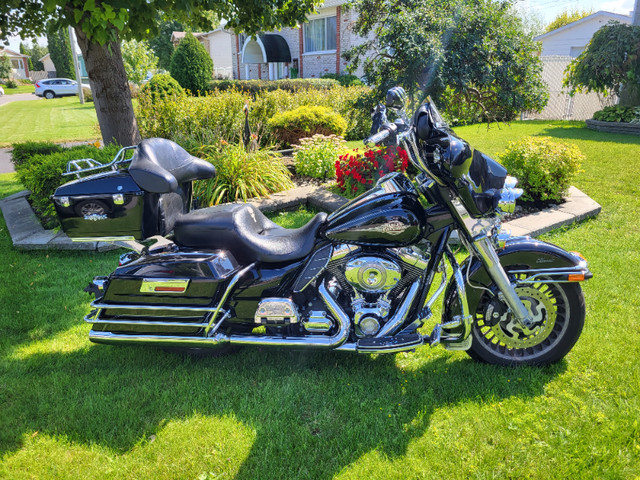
124, 238
149, 285
317, 322
475, 227
276, 311
129, 306
342, 250
412, 256
158, 340
398, 349
372, 274
148, 323
232, 284
74, 168
491, 262
118, 199
535, 274
440, 288
400, 316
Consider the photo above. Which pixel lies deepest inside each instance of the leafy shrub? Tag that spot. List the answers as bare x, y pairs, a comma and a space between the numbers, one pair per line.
194, 121
543, 167
11, 84
42, 174
316, 156
305, 121
240, 175
618, 113
161, 86
357, 172
22, 152
255, 87
345, 79
191, 65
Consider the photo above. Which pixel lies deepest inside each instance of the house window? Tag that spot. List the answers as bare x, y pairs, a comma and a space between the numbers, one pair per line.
320, 35
17, 64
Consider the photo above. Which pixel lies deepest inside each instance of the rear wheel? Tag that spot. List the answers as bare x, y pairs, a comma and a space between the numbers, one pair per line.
557, 310
49, 95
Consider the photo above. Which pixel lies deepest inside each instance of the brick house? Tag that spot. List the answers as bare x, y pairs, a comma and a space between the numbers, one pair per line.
312, 50
19, 63
308, 51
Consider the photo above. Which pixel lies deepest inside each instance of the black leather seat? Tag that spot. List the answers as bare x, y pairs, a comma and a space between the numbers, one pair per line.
243, 230
162, 166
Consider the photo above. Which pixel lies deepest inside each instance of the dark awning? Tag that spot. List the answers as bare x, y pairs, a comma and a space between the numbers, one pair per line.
276, 48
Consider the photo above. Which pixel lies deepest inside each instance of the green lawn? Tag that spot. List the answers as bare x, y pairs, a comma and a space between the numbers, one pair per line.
72, 409
59, 119
19, 89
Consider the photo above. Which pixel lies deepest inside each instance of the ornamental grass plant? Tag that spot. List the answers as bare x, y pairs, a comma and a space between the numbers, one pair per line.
240, 174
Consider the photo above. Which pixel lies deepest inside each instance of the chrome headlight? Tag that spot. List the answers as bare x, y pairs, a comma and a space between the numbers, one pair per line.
508, 195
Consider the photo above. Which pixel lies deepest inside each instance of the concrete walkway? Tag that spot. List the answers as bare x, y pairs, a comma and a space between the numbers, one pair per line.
4, 99
27, 232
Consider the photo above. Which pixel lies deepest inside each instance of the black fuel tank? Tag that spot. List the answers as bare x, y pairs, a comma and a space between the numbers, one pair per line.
389, 215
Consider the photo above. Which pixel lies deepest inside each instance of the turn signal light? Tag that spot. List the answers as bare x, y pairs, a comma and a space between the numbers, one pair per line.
576, 277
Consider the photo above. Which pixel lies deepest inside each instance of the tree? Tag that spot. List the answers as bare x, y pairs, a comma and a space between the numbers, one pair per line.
191, 65
60, 51
138, 60
100, 26
567, 17
37, 52
161, 43
476, 49
611, 59
5, 67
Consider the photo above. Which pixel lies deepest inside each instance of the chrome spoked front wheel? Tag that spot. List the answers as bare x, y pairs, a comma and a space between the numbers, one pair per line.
557, 310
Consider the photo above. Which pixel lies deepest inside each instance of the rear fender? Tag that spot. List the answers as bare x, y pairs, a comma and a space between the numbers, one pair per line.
541, 261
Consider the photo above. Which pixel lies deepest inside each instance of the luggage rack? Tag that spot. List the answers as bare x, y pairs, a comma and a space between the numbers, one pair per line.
84, 165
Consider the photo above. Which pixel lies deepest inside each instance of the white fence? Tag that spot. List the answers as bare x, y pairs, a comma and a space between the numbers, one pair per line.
561, 106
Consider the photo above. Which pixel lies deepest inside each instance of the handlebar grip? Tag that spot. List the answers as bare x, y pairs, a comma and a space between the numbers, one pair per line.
378, 137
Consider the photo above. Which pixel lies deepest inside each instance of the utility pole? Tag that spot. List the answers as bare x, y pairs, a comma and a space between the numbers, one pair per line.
72, 41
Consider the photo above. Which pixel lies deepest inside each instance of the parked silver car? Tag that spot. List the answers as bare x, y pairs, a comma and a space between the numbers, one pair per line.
57, 87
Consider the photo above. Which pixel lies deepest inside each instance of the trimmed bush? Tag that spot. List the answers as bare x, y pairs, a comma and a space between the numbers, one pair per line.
543, 167
345, 79
316, 156
289, 127
191, 65
357, 172
42, 174
22, 152
240, 175
11, 84
88, 94
161, 86
255, 87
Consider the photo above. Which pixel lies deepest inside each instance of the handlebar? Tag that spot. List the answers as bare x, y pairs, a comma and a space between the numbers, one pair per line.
378, 137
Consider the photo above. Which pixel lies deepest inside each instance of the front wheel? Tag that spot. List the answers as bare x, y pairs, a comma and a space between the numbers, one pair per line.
557, 310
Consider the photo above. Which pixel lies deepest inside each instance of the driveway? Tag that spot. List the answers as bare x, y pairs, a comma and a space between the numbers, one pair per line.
4, 99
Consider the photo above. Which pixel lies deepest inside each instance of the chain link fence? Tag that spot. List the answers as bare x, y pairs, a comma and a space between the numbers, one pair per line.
561, 106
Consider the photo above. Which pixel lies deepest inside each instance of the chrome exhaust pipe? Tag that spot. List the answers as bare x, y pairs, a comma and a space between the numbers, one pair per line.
401, 314
311, 341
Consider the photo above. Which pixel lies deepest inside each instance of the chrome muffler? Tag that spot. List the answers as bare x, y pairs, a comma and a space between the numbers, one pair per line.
311, 341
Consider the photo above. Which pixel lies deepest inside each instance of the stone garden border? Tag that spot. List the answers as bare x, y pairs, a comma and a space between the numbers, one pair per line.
28, 234
614, 127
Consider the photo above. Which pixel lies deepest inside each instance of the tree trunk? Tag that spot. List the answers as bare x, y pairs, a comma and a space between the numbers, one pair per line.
110, 90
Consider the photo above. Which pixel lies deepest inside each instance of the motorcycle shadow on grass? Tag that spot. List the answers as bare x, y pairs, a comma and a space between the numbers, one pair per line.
312, 412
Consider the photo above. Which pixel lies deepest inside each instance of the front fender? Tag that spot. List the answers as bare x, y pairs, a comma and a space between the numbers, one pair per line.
518, 254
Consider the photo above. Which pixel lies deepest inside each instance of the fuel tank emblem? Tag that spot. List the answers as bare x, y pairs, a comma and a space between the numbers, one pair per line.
394, 227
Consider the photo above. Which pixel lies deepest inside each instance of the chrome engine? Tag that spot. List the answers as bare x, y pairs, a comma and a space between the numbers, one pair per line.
375, 281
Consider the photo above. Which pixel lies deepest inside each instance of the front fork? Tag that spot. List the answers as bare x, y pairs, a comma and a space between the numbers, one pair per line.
485, 250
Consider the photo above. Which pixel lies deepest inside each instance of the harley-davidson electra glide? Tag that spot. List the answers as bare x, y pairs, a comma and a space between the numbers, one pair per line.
362, 279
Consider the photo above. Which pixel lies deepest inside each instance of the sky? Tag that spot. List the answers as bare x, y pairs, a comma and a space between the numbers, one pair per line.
546, 10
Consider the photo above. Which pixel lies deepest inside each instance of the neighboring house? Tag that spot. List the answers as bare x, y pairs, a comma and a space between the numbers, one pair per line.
19, 63
571, 39
218, 43
311, 50
49, 67
308, 51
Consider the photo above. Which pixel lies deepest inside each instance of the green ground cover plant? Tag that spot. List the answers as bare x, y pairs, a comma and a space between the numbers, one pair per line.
59, 119
316, 156
71, 409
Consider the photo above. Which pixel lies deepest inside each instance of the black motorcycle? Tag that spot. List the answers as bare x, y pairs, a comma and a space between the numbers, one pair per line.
362, 279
